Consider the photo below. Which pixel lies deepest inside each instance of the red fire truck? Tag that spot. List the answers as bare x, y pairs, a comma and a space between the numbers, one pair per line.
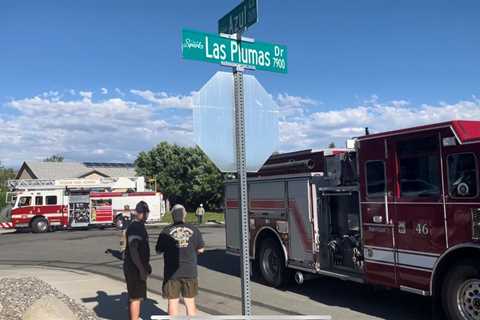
401, 210
44, 205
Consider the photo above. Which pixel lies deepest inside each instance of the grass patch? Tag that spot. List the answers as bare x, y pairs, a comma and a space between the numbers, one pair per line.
191, 218
3, 197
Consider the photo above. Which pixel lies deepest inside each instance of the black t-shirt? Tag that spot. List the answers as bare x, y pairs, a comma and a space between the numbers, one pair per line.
179, 244
136, 231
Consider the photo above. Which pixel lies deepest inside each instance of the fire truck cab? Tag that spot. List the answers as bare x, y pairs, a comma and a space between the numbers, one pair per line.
47, 204
401, 210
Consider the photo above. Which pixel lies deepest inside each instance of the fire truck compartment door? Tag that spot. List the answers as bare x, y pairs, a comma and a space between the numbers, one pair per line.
232, 218
300, 232
376, 159
79, 210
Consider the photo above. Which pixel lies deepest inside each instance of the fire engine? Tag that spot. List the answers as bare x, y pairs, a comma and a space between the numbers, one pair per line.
44, 205
401, 209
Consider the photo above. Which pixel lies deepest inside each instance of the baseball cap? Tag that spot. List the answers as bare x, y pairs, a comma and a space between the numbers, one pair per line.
142, 207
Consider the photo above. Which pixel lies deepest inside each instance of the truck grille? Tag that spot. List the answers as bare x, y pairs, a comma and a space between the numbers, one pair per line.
476, 224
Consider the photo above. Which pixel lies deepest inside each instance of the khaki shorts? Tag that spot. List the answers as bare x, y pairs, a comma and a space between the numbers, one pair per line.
172, 288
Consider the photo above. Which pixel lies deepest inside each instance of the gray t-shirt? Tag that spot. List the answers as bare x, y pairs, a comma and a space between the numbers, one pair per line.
179, 244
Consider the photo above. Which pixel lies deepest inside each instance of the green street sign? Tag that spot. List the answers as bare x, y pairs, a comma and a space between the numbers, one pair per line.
240, 18
213, 48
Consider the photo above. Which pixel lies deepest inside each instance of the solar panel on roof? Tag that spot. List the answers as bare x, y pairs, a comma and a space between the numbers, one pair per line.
108, 164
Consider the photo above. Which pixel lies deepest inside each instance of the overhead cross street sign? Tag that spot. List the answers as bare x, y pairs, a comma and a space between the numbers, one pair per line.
213, 48
240, 18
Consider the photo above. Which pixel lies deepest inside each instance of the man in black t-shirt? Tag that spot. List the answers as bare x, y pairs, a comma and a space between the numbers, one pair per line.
180, 244
136, 265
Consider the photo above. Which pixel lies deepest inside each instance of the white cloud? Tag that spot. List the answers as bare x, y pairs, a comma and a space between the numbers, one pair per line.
104, 90
86, 94
163, 100
50, 94
116, 129
318, 129
83, 129
294, 106
119, 92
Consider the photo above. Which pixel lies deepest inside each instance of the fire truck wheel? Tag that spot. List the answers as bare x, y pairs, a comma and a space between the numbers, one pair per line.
461, 292
40, 225
272, 266
119, 222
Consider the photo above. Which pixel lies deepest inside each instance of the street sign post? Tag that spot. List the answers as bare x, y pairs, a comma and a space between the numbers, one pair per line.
251, 55
242, 176
239, 53
240, 18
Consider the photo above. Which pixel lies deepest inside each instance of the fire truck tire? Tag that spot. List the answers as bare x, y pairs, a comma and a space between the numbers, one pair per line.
461, 291
119, 222
39, 225
271, 263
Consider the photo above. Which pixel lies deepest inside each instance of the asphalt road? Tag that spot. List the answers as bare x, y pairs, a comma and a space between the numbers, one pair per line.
218, 276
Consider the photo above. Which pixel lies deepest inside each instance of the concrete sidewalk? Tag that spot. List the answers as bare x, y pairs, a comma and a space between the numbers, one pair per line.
104, 296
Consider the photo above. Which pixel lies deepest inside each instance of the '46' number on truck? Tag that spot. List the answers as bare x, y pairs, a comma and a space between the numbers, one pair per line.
422, 229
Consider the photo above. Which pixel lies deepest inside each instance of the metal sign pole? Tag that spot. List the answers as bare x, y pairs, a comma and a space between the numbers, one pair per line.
242, 175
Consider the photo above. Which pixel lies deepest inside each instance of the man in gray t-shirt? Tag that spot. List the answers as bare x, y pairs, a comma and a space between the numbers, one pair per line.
180, 244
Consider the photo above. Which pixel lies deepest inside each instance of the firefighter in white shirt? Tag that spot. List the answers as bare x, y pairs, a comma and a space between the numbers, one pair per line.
200, 213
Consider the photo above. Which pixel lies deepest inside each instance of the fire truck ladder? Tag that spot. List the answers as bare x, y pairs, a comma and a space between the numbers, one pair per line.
42, 184
29, 184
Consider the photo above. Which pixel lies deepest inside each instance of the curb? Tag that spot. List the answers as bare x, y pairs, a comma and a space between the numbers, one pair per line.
6, 231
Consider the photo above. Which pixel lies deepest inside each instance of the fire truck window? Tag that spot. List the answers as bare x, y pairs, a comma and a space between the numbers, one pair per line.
51, 200
375, 178
25, 201
102, 202
462, 175
419, 167
38, 200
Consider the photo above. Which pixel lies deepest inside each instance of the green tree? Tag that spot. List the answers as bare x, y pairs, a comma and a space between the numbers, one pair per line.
331, 145
185, 175
5, 175
54, 158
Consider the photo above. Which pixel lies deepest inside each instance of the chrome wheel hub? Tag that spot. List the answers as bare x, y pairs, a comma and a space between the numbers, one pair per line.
468, 299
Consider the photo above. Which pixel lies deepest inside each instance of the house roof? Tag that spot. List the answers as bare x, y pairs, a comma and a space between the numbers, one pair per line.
67, 170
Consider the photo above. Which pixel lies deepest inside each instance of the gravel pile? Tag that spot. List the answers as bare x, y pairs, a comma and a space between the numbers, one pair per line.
17, 295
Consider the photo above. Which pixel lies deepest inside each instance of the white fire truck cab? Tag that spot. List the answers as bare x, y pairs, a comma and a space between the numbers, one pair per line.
44, 205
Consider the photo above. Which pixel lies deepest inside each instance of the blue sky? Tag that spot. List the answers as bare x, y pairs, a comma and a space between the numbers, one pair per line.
343, 56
